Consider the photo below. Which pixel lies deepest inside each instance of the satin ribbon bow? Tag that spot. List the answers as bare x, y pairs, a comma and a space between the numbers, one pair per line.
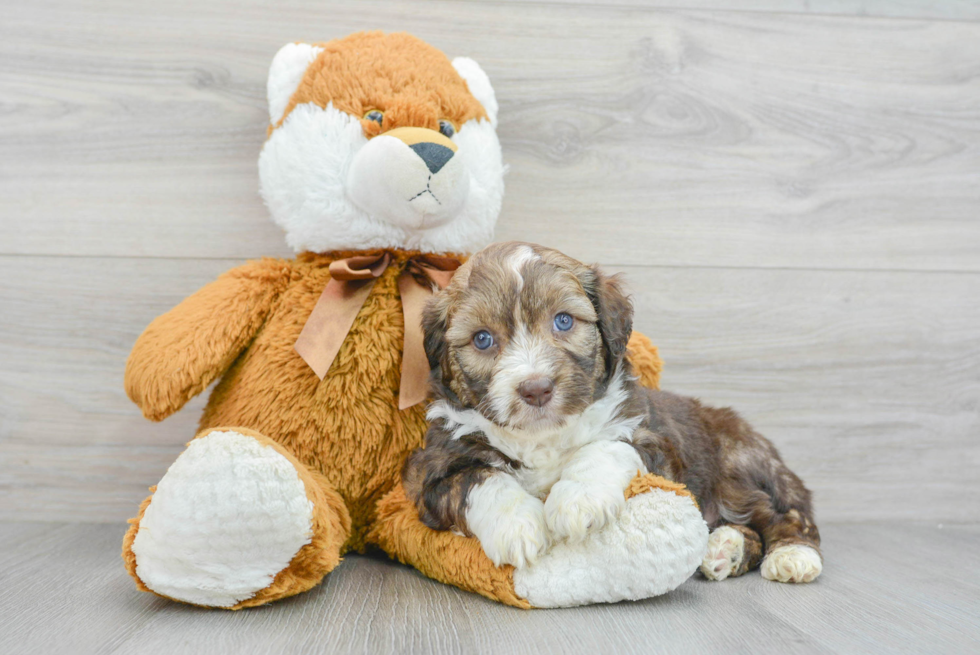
350, 284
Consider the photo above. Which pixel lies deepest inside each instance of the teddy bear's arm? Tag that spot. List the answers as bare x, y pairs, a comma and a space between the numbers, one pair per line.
645, 359
181, 352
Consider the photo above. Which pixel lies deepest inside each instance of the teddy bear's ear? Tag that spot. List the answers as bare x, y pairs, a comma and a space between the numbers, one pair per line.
286, 72
479, 85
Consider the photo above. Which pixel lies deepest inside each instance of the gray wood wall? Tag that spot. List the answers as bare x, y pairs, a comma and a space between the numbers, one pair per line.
792, 188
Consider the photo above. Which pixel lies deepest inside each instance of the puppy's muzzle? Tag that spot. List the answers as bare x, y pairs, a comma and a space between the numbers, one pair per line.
536, 392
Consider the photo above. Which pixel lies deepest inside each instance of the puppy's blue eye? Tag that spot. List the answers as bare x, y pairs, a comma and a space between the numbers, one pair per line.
447, 128
563, 322
375, 115
482, 340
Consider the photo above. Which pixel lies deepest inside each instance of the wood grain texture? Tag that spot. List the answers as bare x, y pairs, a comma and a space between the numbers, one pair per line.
938, 9
886, 588
637, 136
868, 382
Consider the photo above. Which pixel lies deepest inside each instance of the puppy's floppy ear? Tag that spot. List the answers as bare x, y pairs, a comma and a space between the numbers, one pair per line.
615, 313
435, 322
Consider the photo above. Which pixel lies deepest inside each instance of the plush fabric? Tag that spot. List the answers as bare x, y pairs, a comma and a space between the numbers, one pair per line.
411, 81
328, 526
345, 435
653, 550
443, 556
332, 186
317, 462
655, 544
345, 426
197, 543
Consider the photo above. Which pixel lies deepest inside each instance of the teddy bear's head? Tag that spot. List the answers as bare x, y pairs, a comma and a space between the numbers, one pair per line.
379, 141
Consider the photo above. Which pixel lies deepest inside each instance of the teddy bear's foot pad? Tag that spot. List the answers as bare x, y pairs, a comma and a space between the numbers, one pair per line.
657, 542
229, 514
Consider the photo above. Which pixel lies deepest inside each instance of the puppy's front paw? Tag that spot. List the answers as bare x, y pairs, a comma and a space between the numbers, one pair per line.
507, 520
517, 535
574, 508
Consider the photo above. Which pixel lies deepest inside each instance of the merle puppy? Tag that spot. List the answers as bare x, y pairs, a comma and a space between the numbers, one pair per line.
538, 426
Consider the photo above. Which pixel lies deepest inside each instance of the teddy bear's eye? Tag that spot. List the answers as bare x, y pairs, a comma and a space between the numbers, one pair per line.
375, 115
447, 128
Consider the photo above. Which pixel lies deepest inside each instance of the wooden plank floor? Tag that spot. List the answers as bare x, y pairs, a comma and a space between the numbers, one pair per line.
887, 588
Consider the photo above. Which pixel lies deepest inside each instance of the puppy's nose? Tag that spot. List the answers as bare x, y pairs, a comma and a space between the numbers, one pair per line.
537, 391
434, 155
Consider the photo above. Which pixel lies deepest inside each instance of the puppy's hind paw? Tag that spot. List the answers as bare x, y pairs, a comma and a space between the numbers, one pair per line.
793, 563
726, 548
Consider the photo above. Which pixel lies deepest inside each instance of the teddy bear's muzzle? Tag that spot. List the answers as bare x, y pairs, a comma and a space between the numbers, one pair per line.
409, 177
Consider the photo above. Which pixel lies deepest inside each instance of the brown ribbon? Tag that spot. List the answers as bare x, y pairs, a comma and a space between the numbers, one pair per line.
350, 284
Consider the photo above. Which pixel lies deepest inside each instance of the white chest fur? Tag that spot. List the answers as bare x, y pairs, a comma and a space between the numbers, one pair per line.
544, 454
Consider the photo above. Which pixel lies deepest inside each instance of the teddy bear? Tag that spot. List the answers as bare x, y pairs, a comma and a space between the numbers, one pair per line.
383, 167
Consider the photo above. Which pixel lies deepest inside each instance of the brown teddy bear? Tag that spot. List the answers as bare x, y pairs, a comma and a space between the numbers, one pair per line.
383, 167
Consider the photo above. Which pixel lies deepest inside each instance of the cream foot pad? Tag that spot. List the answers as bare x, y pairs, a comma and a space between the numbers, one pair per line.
656, 544
228, 515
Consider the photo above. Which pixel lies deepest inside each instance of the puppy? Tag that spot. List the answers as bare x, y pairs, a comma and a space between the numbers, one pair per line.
538, 425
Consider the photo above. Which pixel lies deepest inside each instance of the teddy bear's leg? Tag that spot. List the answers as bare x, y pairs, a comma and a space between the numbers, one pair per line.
442, 556
236, 521
655, 544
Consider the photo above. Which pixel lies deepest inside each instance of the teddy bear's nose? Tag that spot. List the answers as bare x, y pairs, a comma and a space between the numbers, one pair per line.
434, 155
